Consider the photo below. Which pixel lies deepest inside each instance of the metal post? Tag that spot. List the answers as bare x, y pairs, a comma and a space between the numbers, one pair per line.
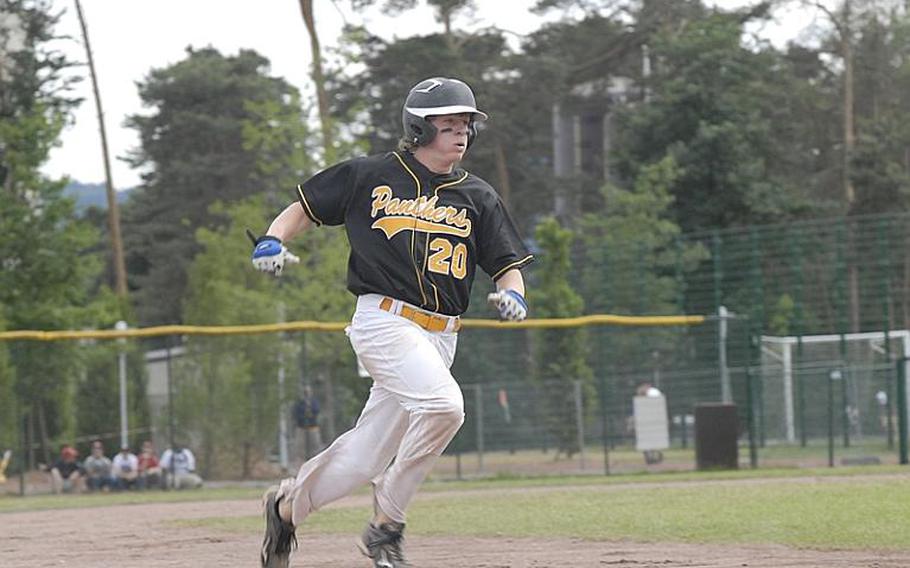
478, 411
124, 418
796, 251
801, 391
580, 423
788, 393
24, 442
834, 375
758, 320
845, 416
902, 409
30, 438
889, 406
750, 401
842, 313
282, 404
282, 419
170, 397
603, 417
726, 389
750, 417
885, 269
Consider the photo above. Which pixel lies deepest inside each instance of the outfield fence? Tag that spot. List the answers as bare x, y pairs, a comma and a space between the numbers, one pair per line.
229, 395
801, 326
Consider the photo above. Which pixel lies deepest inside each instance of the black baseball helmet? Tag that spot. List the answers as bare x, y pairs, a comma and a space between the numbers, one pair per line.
434, 97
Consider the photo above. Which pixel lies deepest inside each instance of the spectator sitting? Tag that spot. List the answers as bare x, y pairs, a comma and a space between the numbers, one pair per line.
126, 469
66, 473
179, 466
4, 463
149, 468
98, 469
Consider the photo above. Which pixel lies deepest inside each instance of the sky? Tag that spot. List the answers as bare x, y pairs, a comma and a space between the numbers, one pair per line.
131, 37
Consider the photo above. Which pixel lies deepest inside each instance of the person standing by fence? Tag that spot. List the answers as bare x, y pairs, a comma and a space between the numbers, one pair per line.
306, 416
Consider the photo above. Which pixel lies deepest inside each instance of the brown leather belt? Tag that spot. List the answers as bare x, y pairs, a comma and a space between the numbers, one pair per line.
429, 322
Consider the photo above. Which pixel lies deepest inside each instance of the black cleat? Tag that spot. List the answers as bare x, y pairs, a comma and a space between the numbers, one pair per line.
279, 539
383, 545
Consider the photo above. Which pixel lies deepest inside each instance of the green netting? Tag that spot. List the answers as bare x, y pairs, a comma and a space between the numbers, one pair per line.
225, 396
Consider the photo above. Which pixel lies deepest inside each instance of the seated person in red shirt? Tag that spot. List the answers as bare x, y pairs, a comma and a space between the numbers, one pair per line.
149, 468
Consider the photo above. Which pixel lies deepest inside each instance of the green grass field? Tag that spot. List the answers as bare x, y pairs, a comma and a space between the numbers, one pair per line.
856, 507
839, 514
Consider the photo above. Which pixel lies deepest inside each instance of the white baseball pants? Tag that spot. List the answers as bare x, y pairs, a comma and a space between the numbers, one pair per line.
414, 410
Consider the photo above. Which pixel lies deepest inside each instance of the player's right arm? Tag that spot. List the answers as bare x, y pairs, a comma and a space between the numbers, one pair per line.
289, 223
269, 253
321, 200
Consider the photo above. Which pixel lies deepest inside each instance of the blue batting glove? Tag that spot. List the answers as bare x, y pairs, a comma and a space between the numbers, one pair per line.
269, 255
512, 306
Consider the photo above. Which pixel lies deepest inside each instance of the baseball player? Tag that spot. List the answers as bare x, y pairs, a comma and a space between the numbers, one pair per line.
419, 226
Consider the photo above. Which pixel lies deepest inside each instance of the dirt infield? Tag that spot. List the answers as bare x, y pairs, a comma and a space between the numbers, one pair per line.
144, 536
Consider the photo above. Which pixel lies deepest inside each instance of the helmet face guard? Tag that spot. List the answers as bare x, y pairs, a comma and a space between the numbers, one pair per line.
435, 97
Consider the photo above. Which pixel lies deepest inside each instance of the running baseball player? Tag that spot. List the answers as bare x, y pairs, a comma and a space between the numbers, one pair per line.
419, 226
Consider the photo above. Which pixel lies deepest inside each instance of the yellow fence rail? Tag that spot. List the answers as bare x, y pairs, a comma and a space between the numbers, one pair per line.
157, 331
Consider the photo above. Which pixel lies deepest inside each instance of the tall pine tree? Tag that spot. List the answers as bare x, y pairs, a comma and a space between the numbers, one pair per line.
193, 152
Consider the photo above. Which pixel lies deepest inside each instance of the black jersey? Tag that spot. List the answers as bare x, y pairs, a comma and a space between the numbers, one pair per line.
415, 235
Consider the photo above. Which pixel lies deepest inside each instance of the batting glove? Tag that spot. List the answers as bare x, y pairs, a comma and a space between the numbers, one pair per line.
512, 306
269, 255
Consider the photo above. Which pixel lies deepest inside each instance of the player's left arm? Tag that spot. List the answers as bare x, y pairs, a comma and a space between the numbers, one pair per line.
511, 303
511, 280
502, 254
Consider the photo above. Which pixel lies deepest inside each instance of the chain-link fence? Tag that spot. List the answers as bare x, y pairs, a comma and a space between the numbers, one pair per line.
232, 401
804, 325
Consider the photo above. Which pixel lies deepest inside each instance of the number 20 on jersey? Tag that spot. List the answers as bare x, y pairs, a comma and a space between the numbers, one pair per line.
447, 258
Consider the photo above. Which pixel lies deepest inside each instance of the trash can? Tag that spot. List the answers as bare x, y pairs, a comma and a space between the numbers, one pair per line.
716, 436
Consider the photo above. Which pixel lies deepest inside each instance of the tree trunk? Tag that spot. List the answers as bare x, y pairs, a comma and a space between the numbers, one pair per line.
113, 210
846, 39
446, 16
849, 129
325, 121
